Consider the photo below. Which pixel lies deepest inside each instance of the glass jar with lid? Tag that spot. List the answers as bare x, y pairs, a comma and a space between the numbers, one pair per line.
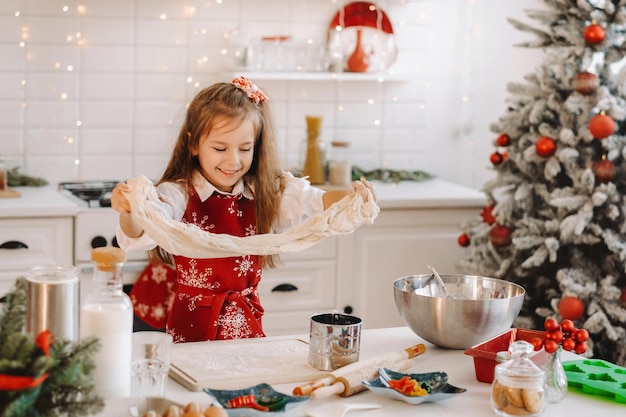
518, 384
339, 166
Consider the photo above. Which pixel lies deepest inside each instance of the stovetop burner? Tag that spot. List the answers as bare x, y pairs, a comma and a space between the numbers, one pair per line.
94, 193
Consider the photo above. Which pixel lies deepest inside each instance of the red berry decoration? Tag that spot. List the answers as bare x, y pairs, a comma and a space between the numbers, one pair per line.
604, 170
601, 126
551, 325
580, 348
500, 236
496, 158
568, 344
545, 146
503, 140
586, 83
464, 240
580, 335
571, 308
550, 346
567, 326
564, 334
594, 34
537, 343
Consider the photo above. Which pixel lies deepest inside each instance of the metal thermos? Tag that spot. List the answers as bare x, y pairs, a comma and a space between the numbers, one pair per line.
53, 301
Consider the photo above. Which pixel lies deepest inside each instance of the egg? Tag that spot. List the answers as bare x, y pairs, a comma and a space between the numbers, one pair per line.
173, 411
193, 413
215, 411
192, 406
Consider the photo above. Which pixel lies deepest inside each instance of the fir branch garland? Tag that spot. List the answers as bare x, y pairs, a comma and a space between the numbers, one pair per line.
68, 389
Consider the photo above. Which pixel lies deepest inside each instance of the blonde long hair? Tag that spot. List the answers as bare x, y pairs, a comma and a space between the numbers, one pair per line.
227, 100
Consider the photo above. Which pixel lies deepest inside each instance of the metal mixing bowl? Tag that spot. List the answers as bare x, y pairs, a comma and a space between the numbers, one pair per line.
477, 308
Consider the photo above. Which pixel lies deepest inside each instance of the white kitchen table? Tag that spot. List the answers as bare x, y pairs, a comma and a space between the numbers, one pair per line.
459, 367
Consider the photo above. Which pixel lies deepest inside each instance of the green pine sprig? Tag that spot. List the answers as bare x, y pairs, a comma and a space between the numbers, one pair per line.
68, 389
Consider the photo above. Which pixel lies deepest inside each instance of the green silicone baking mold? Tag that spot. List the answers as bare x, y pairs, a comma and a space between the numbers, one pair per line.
597, 377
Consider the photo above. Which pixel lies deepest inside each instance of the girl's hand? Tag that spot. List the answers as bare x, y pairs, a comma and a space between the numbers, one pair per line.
119, 202
361, 187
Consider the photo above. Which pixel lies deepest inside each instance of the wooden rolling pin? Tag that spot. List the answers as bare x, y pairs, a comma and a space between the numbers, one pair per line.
351, 383
361, 370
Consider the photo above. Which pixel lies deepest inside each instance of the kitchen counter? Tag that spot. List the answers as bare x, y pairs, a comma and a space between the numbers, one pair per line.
459, 367
431, 193
47, 201
44, 201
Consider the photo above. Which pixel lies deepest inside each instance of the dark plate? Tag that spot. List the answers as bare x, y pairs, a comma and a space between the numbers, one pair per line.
277, 402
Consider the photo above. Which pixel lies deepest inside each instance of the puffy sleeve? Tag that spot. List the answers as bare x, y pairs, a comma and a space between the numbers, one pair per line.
173, 197
300, 201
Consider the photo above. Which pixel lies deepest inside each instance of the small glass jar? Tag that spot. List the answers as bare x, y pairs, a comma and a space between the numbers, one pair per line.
339, 166
518, 384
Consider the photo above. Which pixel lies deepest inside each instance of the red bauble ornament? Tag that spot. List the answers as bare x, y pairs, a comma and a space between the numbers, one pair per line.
604, 170
571, 308
464, 240
601, 126
500, 236
496, 158
586, 83
503, 140
545, 146
594, 34
487, 215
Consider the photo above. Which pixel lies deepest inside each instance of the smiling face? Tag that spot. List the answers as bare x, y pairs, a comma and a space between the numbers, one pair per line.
226, 153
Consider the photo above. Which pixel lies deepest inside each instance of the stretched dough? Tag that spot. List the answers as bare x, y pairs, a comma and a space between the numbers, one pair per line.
178, 238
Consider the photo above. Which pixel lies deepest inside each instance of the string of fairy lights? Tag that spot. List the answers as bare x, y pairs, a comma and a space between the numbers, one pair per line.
196, 65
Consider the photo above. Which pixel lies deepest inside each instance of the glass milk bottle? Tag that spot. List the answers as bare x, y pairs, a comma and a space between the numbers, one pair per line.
107, 313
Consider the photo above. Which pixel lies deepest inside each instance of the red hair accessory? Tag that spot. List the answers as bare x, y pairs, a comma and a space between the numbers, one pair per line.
253, 92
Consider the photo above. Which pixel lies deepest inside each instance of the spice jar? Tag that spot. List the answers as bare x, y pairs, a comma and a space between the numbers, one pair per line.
518, 385
339, 166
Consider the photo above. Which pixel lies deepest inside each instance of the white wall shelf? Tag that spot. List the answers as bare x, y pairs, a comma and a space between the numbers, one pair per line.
316, 76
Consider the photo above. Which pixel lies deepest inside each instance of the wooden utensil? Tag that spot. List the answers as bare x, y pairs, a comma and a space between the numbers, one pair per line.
362, 370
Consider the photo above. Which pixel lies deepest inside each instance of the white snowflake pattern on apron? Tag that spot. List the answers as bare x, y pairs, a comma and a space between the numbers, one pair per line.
159, 274
193, 278
234, 323
251, 230
201, 222
243, 265
233, 210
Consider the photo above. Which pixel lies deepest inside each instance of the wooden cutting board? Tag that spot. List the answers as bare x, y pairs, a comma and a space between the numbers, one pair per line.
9, 193
242, 363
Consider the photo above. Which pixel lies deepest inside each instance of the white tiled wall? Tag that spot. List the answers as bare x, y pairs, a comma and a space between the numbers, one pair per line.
96, 89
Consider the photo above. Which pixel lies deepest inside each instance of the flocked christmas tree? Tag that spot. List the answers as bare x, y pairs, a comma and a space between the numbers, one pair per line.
556, 221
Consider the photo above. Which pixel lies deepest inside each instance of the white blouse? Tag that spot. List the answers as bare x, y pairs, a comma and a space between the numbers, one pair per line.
300, 202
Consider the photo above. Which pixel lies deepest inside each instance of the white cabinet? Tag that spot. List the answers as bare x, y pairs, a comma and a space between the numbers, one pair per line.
401, 242
27, 242
303, 285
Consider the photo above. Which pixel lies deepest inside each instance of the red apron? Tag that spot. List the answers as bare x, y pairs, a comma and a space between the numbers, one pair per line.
217, 298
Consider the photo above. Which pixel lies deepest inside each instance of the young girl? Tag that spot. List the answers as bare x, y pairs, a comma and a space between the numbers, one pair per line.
224, 177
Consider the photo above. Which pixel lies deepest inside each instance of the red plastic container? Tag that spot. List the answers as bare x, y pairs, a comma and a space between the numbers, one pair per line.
485, 353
